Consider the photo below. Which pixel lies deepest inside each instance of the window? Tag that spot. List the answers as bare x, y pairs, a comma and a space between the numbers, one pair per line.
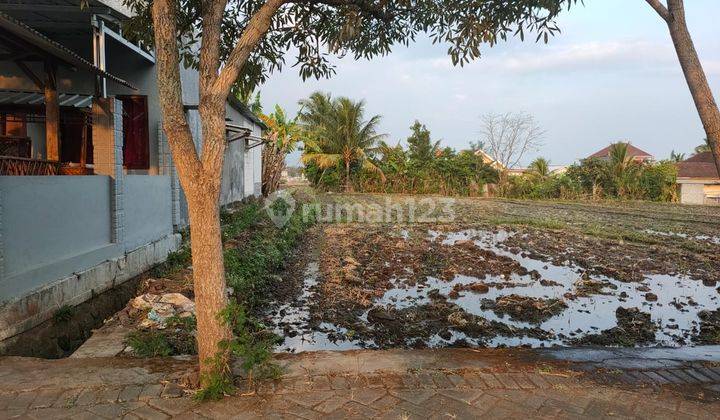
136, 146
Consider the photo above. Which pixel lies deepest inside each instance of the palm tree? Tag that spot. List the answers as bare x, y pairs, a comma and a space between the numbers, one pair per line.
705, 147
281, 139
337, 133
676, 157
623, 166
540, 167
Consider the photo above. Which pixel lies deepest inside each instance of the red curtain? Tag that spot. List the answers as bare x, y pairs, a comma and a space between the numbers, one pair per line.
136, 149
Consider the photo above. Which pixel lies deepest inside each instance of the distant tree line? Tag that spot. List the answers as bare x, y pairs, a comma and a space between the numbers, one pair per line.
344, 151
617, 177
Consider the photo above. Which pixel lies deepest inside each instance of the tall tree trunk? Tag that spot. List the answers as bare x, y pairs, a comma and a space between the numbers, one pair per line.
200, 174
347, 175
705, 103
208, 276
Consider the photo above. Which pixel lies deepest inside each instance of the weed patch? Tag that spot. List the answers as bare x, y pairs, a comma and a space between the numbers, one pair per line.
178, 337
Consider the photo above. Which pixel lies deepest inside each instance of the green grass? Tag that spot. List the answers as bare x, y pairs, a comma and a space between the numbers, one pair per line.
178, 337
175, 262
542, 223
149, 343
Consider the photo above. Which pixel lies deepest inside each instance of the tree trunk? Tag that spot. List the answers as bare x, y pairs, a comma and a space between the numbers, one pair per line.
347, 176
208, 276
695, 76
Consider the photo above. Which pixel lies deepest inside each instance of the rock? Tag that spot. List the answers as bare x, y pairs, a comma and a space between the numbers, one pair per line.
179, 301
172, 390
642, 288
651, 297
161, 307
145, 301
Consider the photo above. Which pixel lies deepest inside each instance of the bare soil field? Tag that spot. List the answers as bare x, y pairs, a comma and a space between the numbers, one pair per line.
495, 273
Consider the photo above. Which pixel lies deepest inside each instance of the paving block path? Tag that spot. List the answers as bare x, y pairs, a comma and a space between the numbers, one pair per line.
397, 384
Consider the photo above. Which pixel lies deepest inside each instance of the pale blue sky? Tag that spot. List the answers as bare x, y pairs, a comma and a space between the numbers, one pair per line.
612, 74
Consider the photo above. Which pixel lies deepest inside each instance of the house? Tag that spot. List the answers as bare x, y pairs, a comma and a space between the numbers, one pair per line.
698, 180
637, 154
489, 160
89, 195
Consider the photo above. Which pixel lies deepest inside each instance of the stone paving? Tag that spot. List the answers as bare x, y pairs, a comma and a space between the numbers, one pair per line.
396, 384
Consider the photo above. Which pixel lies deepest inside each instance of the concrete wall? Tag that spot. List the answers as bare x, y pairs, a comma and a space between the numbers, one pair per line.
692, 193
65, 238
46, 220
241, 175
21, 314
148, 209
233, 187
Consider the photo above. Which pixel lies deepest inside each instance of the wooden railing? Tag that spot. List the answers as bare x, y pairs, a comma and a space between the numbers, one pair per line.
15, 146
10, 165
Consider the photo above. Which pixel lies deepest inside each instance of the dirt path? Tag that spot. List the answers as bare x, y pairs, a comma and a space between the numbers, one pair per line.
366, 384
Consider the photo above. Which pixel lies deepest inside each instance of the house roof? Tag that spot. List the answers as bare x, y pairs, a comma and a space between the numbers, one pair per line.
489, 160
701, 165
24, 36
631, 150
243, 109
17, 97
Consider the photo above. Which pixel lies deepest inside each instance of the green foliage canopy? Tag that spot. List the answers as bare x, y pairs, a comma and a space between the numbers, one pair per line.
316, 29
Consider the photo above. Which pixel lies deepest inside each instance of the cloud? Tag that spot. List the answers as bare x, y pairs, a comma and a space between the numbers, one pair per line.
534, 58
588, 56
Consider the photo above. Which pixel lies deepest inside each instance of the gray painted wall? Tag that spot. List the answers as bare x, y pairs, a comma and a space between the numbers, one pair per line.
148, 209
49, 222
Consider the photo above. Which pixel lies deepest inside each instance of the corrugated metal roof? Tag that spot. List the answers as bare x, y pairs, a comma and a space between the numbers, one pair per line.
16, 97
245, 111
30, 35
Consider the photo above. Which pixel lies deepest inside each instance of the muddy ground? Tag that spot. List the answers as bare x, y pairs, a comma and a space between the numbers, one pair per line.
480, 272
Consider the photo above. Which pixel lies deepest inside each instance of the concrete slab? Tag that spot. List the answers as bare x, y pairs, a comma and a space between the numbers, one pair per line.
106, 342
634, 355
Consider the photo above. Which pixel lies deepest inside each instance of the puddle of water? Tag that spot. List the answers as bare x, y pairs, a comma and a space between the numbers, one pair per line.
296, 315
704, 238
679, 300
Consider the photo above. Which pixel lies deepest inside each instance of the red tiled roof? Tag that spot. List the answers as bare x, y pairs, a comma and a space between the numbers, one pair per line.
631, 150
701, 165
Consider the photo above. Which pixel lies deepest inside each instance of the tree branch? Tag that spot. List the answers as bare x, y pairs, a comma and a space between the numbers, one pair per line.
660, 9
212, 15
255, 30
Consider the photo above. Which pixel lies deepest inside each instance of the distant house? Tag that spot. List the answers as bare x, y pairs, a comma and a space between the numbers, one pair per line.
637, 154
698, 180
489, 160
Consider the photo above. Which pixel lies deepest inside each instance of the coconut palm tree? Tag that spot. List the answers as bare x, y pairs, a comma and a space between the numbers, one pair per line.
705, 147
540, 167
623, 167
337, 134
676, 156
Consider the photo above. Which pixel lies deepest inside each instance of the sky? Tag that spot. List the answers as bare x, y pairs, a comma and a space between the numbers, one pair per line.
612, 74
